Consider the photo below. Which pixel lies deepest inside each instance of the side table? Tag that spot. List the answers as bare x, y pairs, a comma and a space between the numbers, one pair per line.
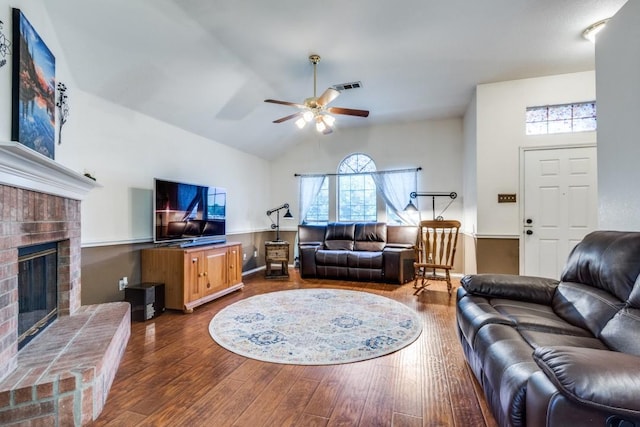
276, 252
146, 299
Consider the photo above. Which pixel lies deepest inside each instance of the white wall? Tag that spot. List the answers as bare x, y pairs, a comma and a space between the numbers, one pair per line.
125, 150
434, 145
618, 89
470, 189
500, 118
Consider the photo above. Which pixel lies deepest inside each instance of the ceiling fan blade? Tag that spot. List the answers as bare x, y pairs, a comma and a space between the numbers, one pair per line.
292, 104
284, 119
348, 111
327, 96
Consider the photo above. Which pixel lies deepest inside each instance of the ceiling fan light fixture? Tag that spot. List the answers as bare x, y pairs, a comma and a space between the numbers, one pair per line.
307, 116
301, 122
320, 126
316, 107
329, 120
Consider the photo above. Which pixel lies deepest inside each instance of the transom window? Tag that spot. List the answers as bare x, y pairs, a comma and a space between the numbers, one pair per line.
357, 192
580, 117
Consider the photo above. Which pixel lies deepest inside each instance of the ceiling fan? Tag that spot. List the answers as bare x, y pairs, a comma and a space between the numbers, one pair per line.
315, 108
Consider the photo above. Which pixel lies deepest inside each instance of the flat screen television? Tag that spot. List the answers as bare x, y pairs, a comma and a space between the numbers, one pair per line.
188, 214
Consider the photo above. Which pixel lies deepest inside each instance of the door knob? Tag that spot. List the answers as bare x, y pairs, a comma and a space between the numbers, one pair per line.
529, 221
529, 232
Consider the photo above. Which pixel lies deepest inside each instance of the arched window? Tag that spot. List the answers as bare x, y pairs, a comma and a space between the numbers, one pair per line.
356, 189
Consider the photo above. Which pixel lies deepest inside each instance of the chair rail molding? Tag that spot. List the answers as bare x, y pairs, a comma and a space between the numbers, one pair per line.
496, 236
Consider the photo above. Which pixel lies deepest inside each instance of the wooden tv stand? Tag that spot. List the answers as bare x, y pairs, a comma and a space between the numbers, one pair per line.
195, 275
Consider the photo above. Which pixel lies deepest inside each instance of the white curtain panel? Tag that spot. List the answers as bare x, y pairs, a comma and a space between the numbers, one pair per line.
395, 187
309, 188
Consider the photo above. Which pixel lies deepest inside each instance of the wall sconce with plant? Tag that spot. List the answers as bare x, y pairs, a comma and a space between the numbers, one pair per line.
63, 108
5, 46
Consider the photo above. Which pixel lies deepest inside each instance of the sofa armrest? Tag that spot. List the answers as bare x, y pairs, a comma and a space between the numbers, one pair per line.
307, 254
397, 264
400, 246
602, 379
510, 286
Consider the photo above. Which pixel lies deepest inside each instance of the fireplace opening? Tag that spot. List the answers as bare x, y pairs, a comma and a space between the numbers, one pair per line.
37, 289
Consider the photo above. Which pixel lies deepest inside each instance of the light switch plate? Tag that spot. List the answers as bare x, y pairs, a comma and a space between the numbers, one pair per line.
506, 198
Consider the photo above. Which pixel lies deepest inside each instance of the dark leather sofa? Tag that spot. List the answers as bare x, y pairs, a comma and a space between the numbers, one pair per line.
370, 251
559, 353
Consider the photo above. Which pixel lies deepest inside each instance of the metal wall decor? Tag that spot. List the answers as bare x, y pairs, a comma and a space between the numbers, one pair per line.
414, 194
5, 46
63, 108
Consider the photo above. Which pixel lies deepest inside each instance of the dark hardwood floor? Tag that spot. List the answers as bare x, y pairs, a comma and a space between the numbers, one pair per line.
174, 374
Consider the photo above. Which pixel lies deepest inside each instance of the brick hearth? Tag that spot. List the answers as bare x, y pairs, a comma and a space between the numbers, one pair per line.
63, 376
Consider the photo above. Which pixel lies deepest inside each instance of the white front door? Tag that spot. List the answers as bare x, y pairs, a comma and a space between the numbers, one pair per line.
559, 206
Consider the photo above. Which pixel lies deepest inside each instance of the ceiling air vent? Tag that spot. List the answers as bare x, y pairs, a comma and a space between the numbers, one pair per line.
346, 86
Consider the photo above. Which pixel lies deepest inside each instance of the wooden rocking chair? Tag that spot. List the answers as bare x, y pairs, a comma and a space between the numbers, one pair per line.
436, 250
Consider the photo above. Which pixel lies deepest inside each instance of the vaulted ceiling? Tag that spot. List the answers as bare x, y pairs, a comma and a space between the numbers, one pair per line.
207, 65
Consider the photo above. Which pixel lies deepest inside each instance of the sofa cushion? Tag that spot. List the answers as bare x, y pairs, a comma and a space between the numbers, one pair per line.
332, 258
370, 236
622, 333
538, 317
538, 339
363, 259
585, 306
332, 272
339, 236
311, 234
368, 274
606, 380
474, 312
606, 260
402, 236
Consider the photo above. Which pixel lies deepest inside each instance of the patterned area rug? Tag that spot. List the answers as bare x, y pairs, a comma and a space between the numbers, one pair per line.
315, 326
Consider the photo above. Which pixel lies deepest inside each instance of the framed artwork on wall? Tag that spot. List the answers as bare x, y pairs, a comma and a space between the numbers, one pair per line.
33, 88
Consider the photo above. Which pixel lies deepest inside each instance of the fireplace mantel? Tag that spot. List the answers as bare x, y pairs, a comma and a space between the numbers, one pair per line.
25, 168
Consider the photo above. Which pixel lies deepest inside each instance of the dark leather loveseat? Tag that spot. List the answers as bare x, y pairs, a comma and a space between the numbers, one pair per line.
371, 251
559, 353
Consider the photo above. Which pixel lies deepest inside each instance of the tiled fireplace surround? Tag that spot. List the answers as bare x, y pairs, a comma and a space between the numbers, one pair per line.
63, 376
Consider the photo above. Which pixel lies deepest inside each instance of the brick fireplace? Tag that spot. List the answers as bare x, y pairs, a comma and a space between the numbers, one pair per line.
62, 376
30, 218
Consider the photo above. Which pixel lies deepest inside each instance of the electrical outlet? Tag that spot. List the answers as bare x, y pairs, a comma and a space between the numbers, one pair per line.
122, 283
244, 256
255, 253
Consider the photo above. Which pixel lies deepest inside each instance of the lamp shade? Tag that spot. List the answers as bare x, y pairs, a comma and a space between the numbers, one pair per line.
287, 214
410, 207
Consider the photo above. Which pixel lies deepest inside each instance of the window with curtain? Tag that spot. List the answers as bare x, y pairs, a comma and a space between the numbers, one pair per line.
395, 188
318, 208
356, 189
360, 191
